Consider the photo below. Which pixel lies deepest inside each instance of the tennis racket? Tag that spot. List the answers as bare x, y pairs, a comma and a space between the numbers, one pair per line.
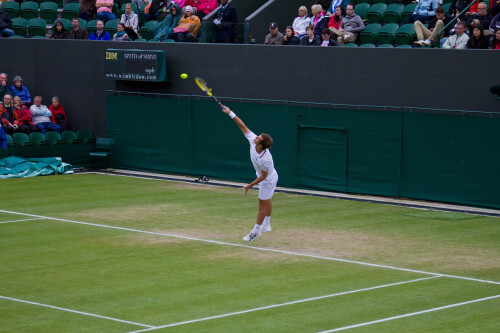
203, 86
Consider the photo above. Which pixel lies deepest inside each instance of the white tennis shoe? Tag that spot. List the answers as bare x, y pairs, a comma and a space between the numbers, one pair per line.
265, 228
252, 236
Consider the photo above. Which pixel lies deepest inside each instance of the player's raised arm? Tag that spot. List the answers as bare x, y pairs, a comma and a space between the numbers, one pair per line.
236, 119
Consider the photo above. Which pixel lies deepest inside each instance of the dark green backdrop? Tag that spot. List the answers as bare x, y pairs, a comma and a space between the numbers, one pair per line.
433, 156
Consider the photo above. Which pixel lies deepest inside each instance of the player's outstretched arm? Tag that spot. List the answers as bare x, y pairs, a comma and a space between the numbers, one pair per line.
236, 119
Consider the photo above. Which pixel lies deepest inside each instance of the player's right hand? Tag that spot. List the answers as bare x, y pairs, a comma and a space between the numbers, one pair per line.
226, 110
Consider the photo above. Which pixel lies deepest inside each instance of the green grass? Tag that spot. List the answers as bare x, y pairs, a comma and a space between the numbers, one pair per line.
156, 279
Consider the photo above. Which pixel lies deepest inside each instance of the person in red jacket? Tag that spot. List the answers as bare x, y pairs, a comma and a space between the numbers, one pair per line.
58, 115
22, 116
337, 18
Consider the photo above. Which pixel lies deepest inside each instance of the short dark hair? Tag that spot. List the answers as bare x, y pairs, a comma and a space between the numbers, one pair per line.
350, 4
440, 10
310, 27
463, 24
267, 141
325, 31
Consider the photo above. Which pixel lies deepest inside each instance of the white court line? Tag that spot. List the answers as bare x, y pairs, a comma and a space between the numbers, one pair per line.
74, 311
284, 304
411, 314
38, 218
259, 248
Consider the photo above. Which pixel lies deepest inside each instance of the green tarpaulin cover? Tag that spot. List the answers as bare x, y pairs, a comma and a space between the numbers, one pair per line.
17, 167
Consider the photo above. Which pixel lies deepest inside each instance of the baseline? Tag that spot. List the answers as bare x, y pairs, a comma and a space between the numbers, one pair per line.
39, 218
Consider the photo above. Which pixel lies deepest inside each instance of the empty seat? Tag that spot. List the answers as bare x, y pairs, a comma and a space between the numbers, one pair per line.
55, 138
350, 45
71, 10
110, 27
376, 13
367, 45
104, 147
22, 140
29, 10
406, 34
387, 35
91, 26
362, 10
393, 13
409, 9
385, 45
20, 26
48, 11
10, 141
70, 138
38, 139
142, 16
11, 8
147, 31
369, 35
83, 23
36, 27
86, 136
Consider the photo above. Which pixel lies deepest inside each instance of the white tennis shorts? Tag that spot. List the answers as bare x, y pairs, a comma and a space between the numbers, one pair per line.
266, 189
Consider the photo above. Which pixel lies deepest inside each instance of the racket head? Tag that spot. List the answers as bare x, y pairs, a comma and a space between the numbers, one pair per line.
203, 85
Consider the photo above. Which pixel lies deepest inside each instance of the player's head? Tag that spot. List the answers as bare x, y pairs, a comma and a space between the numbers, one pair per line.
264, 140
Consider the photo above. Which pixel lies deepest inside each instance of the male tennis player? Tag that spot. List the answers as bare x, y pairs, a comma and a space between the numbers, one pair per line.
267, 177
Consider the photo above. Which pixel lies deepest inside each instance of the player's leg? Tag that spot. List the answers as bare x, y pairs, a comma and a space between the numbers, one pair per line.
255, 232
266, 225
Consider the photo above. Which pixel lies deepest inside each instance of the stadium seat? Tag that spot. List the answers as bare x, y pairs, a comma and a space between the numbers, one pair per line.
65, 22
86, 136
110, 27
91, 26
385, 45
36, 27
350, 45
409, 9
83, 23
71, 10
140, 40
40, 37
29, 10
446, 7
115, 9
406, 34
142, 16
104, 148
38, 139
362, 10
168, 41
376, 13
147, 31
22, 140
16, 36
367, 45
369, 35
48, 11
60, 3
393, 13
11, 8
387, 35
445, 2
70, 138
404, 46
122, 10
54, 138
20, 26
10, 141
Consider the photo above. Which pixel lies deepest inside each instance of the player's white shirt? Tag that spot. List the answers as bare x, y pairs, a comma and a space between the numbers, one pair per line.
263, 161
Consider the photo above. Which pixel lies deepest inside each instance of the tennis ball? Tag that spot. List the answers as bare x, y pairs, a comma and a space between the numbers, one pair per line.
184, 76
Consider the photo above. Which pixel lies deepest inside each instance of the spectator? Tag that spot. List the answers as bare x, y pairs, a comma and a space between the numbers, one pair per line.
166, 27
18, 89
188, 26
274, 37
427, 36
459, 39
58, 114
482, 18
100, 33
59, 31
131, 22
320, 21
226, 20
301, 22
424, 10
105, 10
7, 115
495, 23
120, 35
152, 10
40, 117
477, 39
326, 38
5, 24
4, 89
77, 32
3, 139
88, 9
495, 8
181, 3
290, 37
203, 7
22, 117
350, 26
309, 39
458, 5
495, 44
335, 20
335, 4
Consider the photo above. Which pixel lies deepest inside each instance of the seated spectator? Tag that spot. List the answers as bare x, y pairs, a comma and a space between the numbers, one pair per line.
58, 114
427, 36
290, 37
424, 10
131, 22
3, 139
226, 20
477, 39
7, 115
77, 32
203, 7
301, 22
153, 9
459, 39
326, 38
319, 21
88, 9
18, 89
495, 43
188, 26
22, 117
309, 39
334, 22
120, 35
4, 89
458, 5
100, 33
5, 24
105, 10
40, 116
166, 27
481, 17
350, 26
495, 23
274, 37
59, 31
335, 4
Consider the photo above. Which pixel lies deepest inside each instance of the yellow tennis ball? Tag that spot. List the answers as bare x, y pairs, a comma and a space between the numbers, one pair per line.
184, 76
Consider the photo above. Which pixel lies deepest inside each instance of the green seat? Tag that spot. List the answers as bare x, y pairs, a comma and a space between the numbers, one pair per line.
367, 45
446, 7
168, 40
362, 10
91, 26
104, 147
65, 22
409, 9
376, 13
39, 139
48, 11
22, 140
40, 37
393, 13
54, 138
140, 40
20, 26
406, 34
71, 10
86, 136
36, 27
405, 46
70, 138
10, 141
16, 36
115, 9
386, 45
110, 27
387, 35
11, 8
83, 23
142, 16
369, 35
122, 10
29, 10
147, 31
60, 3
350, 45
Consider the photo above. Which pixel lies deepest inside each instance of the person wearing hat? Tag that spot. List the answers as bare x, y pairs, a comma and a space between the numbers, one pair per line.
18, 89
274, 37
188, 26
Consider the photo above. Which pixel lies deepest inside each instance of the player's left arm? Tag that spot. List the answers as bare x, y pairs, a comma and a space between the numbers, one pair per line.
263, 175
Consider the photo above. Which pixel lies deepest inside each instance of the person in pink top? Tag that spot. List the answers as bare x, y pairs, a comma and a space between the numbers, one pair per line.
182, 3
203, 7
105, 10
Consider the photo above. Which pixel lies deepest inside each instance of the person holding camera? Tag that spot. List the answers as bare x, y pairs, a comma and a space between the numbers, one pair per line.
58, 115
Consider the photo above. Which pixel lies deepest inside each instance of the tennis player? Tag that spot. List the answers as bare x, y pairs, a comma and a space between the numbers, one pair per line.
267, 177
